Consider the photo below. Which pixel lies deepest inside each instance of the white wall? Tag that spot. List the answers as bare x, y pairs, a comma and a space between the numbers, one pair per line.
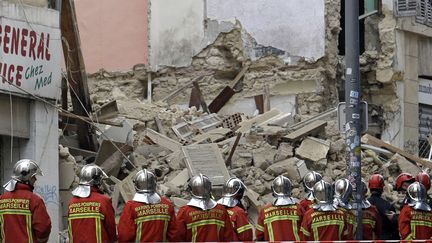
176, 31
294, 26
43, 147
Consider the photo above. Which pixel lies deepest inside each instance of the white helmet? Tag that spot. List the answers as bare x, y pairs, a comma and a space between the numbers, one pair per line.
282, 187
309, 181
24, 170
323, 193
200, 187
145, 184
417, 194
234, 189
91, 175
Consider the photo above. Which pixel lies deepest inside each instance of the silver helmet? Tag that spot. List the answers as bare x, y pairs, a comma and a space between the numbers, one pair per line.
417, 195
145, 185
91, 175
24, 170
343, 191
234, 189
323, 193
309, 181
200, 188
281, 188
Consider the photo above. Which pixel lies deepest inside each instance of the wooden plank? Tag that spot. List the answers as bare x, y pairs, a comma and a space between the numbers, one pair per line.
371, 140
162, 140
225, 95
78, 118
176, 92
247, 125
221, 99
159, 126
76, 73
194, 99
238, 77
306, 130
259, 103
229, 159
201, 97
266, 98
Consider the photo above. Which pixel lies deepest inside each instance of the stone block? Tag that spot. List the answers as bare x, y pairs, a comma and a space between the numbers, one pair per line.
313, 149
405, 165
284, 151
411, 114
181, 179
263, 157
66, 175
302, 168
287, 167
411, 91
411, 44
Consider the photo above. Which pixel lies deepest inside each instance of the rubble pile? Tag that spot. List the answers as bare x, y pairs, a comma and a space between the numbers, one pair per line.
255, 149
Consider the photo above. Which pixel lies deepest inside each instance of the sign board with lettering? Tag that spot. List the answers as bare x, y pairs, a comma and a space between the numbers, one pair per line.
207, 160
425, 91
30, 58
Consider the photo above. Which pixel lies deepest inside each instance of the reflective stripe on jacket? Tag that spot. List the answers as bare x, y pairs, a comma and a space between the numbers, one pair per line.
240, 223
415, 224
23, 216
140, 222
91, 219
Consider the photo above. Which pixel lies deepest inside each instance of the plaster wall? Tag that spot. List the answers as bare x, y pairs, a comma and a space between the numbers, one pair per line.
113, 34
42, 146
176, 32
294, 26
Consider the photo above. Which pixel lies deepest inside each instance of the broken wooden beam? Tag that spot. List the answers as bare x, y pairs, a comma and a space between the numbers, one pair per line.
194, 99
76, 73
162, 140
259, 103
200, 97
307, 130
81, 118
371, 140
181, 89
229, 159
159, 126
225, 95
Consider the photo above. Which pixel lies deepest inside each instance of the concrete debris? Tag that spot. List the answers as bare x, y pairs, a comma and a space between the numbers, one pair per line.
286, 167
404, 165
313, 149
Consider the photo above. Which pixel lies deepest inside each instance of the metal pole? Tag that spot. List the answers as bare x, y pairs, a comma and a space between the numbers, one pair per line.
352, 99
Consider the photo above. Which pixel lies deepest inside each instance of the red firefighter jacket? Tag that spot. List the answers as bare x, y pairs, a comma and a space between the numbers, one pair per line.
240, 223
23, 216
351, 224
371, 224
415, 224
91, 219
324, 226
305, 204
140, 222
195, 224
279, 223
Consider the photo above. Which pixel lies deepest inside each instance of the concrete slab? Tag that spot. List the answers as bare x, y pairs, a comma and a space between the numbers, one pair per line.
122, 134
313, 149
405, 165
302, 168
181, 179
286, 167
284, 151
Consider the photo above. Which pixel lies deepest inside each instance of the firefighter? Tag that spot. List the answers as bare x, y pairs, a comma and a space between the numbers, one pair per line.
148, 217
323, 222
343, 193
371, 221
309, 181
233, 193
415, 220
202, 219
23, 215
386, 210
424, 179
402, 182
280, 221
90, 213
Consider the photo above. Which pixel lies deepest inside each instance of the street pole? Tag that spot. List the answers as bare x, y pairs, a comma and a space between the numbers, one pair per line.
352, 99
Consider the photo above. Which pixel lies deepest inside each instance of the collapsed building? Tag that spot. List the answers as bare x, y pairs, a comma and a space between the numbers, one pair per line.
251, 86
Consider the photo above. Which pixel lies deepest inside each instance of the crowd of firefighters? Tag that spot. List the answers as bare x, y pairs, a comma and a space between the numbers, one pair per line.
325, 214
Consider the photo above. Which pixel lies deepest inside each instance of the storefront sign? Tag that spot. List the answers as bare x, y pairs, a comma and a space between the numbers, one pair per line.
425, 91
30, 58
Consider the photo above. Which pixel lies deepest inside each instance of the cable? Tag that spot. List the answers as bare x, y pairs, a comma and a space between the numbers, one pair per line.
11, 119
76, 117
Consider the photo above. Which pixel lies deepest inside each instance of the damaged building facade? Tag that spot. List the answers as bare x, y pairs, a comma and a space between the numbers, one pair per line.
292, 49
30, 68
